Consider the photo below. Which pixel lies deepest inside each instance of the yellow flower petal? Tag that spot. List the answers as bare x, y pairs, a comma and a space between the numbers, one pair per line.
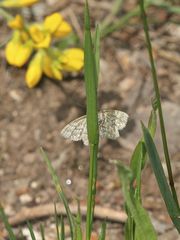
16, 53
34, 71
51, 69
63, 30
52, 22
45, 43
16, 23
72, 59
36, 33
18, 3
41, 38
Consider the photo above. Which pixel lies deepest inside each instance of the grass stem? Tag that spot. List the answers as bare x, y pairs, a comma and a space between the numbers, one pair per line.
91, 189
158, 99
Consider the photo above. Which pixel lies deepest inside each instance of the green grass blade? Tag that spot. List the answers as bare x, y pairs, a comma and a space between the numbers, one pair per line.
42, 232
102, 235
31, 231
152, 124
62, 229
78, 223
171, 205
136, 165
57, 222
139, 155
97, 50
6, 223
90, 82
129, 226
158, 100
143, 225
60, 192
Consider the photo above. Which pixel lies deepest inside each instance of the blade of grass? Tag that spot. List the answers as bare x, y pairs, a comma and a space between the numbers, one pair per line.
139, 155
158, 99
167, 6
6, 223
116, 6
62, 229
97, 50
78, 223
57, 222
129, 226
42, 232
122, 22
143, 225
171, 205
137, 164
91, 81
60, 192
102, 235
31, 231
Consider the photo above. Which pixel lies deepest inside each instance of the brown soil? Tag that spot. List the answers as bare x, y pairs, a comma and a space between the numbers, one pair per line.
33, 118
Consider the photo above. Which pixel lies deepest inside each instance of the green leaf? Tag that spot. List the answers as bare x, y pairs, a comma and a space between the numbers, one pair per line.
171, 205
129, 226
60, 192
138, 159
62, 229
78, 223
57, 222
97, 50
102, 235
143, 226
31, 231
6, 223
42, 232
90, 82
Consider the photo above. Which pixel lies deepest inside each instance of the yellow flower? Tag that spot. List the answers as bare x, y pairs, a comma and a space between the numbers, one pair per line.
40, 37
52, 22
16, 23
17, 3
55, 61
55, 24
35, 70
63, 30
51, 67
72, 59
17, 53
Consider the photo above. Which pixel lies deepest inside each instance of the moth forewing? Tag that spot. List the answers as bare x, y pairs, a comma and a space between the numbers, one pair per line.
110, 122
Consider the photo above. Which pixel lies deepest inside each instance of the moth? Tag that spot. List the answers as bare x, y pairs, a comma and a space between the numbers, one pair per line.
110, 122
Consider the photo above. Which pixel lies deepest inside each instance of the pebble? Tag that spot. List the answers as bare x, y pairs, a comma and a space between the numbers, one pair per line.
25, 198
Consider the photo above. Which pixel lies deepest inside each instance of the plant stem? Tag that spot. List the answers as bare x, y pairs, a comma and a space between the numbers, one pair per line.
158, 99
122, 21
91, 189
5, 14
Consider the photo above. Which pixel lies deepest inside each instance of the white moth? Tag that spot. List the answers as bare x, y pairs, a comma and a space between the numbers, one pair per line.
110, 122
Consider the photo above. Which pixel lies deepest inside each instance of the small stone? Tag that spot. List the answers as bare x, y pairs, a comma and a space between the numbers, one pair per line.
25, 198
34, 185
9, 210
15, 96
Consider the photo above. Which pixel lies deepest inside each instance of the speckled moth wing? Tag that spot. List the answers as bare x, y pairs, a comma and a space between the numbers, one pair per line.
110, 122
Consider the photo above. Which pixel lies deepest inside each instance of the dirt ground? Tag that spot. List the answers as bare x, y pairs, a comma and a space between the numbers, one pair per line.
33, 118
